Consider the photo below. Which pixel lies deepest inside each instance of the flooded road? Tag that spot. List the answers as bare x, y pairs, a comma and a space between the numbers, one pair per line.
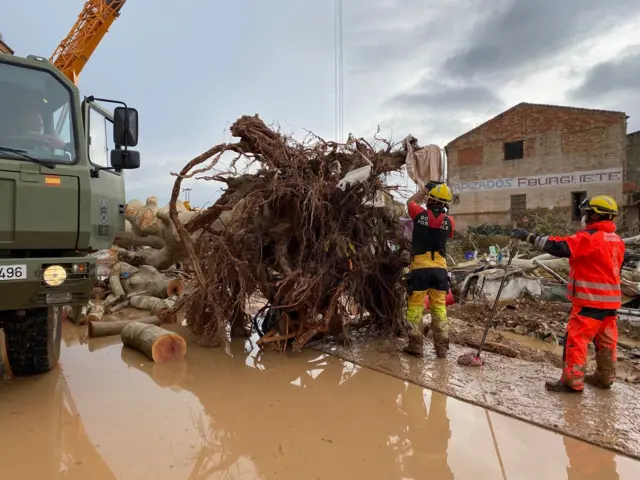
108, 413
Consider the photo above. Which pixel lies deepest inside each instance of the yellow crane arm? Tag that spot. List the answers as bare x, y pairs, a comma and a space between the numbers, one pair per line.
93, 23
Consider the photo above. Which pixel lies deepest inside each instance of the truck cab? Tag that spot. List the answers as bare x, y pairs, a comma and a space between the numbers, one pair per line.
62, 197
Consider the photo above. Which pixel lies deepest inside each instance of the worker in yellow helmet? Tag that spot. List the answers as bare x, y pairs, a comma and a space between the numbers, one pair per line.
595, 254
432, 227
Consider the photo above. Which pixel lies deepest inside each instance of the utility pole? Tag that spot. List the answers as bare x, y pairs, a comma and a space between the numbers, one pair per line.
187, 194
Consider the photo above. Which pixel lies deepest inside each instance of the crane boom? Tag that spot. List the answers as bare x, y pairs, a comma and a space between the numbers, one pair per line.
93, 23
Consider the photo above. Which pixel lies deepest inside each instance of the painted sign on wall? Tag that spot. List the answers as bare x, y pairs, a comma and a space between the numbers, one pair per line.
551, 180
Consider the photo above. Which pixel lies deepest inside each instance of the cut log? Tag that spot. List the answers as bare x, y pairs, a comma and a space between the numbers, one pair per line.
118, 271
149, 220
99, 293
156, 343
129, 239
95, 313
149, 280
76, 315
157, 306
104, 329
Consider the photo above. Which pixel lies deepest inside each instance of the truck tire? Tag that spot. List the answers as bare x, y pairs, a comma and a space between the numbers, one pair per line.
33, 341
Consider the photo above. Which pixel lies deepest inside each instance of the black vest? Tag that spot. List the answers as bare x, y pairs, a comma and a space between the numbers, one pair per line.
431, 231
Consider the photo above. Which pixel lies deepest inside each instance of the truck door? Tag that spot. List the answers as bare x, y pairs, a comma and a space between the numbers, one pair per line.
107, 186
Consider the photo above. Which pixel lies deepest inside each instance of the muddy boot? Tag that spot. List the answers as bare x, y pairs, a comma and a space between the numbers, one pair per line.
595, 380
415, 347
442, 348
605, 373
559, 386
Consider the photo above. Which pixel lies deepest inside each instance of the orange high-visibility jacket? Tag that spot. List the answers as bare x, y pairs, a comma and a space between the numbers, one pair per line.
595, 259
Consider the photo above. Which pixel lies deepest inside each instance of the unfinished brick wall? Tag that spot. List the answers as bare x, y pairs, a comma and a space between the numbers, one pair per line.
555, 140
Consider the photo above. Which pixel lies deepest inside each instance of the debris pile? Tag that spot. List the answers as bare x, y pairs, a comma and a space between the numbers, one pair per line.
310, 231
524, 316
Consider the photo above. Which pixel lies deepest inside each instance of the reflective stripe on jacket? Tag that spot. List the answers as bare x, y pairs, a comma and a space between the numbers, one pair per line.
595, 263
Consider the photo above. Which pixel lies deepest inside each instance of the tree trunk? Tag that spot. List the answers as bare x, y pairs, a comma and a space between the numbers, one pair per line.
157, 306
148, 279
129, 239
156, 343
95, 313
150, 221
104, 329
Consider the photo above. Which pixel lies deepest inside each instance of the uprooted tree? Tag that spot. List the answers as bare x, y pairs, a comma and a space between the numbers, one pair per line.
300, 232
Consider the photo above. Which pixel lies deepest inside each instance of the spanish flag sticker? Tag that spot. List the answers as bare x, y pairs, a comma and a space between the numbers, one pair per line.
51, 180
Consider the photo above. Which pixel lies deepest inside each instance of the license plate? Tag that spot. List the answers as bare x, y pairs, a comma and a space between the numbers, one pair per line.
13, 272
58, 297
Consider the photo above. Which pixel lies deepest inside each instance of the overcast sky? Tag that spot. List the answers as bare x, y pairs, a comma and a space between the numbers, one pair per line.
432, 69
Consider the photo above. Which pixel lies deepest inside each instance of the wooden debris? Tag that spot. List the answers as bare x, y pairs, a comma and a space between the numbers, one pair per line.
157, 306
96, 312
104, 329
156, 343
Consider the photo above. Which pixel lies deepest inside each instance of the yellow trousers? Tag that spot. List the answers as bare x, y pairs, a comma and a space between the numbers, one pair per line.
438, 307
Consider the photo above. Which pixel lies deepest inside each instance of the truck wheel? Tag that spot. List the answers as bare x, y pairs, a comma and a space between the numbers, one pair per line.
33, 341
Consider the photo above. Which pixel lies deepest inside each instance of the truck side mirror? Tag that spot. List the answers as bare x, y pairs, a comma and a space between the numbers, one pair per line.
125, 127
125, 159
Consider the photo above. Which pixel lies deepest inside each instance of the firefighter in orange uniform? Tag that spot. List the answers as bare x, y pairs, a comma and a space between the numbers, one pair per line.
432, 228
595, 256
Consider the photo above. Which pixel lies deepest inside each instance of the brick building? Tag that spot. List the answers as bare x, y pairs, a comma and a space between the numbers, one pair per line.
533, 158
4, 48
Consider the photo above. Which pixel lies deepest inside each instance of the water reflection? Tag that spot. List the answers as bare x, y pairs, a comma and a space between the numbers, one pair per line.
250, 414
44, 436
585, 462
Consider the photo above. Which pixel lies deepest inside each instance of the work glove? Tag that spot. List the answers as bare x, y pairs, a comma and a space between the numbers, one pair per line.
520, 234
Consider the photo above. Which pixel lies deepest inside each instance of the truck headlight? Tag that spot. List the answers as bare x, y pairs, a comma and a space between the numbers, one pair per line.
80, 268
54, 275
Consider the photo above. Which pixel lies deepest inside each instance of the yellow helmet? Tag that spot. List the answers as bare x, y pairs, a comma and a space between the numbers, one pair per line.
601, 204
441, 193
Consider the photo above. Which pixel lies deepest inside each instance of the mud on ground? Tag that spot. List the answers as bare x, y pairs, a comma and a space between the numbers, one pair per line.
539, 328
526, 350
512, 386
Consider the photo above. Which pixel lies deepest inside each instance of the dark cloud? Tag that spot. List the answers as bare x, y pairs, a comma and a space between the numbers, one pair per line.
523, 33
459, 98
611, 78
381, 34
613, 85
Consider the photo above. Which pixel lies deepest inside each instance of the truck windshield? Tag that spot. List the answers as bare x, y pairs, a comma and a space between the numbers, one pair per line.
35, 116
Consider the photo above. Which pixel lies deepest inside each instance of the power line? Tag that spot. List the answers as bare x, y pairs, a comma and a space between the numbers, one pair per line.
339, 76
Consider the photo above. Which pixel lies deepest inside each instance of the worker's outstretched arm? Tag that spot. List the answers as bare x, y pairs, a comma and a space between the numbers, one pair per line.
556, 246
413, 203
417, 197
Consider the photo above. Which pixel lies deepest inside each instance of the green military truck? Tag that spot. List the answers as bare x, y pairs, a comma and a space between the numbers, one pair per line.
61, 198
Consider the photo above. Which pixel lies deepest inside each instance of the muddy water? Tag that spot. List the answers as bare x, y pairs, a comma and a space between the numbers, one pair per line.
107, 413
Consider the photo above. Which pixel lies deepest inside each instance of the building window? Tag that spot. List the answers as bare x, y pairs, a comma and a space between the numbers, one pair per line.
576, 199
514, 150
518, 207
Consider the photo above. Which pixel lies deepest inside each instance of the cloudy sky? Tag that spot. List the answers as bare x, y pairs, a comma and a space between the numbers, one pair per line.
432, 69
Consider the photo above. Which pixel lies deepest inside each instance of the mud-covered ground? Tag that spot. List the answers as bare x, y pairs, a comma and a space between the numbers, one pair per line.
539, 328
108, 413
526, 351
